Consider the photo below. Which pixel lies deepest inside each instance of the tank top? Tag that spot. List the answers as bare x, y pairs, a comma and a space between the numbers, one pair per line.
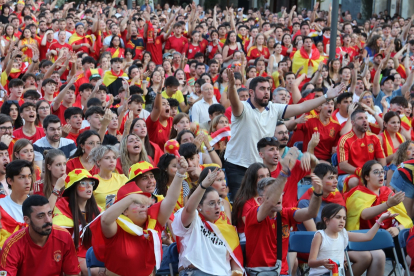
331, 249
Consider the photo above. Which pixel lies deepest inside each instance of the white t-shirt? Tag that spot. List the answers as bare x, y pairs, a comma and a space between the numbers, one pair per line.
340, 118
200, 247
248, 129
12, 208
331, 249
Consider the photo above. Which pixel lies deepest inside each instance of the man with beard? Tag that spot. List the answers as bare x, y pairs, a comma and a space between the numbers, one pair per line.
255, 119
42, 248
53, 140
282, 136
355, 148
268, 149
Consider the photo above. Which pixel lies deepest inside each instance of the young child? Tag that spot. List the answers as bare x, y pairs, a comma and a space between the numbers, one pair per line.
331, 240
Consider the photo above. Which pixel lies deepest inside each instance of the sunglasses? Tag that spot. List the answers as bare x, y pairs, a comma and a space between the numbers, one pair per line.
270, 139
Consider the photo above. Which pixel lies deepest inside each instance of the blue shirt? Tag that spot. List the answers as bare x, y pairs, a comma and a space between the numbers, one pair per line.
381, 94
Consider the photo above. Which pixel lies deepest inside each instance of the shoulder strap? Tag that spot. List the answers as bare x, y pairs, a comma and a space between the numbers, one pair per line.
279, 241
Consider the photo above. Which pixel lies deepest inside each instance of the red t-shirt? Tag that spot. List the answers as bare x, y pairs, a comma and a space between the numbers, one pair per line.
75, 163
249, 204
358, 151
290, 196
18, 134
192, 50
155, 49
21, 256
73, 137
329, 134
158, 133
43, 49
60, 112
57, 46
176, 43
261, 239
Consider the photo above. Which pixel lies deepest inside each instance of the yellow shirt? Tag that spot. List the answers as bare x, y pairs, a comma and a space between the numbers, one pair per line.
108, 188
177, 95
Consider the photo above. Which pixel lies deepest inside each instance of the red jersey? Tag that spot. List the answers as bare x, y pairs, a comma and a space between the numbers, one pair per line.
21, 256
158, 133
72, 136
57, 47
249, 204
254, 53
43, 49
192, 50
75, 163
329, 134
176, 43
18, 134
358, 151
155, 48
262, 252
203, 45
290, 192
60, 112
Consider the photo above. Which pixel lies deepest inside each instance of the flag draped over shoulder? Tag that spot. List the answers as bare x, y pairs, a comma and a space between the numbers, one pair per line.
98, 239
310, 62
333, 197
9, 226
75, 37
62, 215
405, 123
387, 143
406, 170
110, 77
228, 234
360, 198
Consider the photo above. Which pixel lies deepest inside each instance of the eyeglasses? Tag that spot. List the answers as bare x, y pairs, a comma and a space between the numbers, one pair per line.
378, 172
213, 204
3, 129
367, 97
94, 143
44, 108
87, 183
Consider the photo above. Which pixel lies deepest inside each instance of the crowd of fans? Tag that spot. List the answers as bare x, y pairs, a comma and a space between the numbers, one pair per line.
130, 131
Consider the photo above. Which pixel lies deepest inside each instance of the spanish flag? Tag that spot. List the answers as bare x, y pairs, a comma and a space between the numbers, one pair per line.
9, 226
26, 51
387, 144
117, 52
333, 197
110, 77
62, 215
75, 37
360, 198
310, 62
335, 270
98, 239
405, 123
228, 234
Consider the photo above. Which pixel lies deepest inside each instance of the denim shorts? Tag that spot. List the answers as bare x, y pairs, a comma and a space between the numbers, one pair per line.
400, 184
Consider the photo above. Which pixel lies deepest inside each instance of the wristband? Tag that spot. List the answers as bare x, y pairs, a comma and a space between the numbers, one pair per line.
180, 175
212, 149
380, 224
386, 203
318, 195
201, 186
56, 192
284, 174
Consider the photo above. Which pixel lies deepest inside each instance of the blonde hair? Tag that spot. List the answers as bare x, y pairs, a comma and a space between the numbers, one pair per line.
372, 102
18, 146
214, 123
124, 154
50, 156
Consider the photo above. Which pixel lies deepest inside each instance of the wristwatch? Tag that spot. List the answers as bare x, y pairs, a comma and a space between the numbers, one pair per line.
326, 97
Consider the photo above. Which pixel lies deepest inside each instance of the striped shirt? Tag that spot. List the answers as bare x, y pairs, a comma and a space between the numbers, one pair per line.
66, 145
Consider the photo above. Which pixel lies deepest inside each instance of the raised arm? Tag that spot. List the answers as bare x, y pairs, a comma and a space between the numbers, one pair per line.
406, 87
190, 207
236, 104
372, 212
296, 95
315, 202
61, 95
168, 203
362, 237
376, 82
156, 109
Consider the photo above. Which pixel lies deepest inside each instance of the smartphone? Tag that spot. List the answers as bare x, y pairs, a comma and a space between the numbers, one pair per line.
346, 55
188, 98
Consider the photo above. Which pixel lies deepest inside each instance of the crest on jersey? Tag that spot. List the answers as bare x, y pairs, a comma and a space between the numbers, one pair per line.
371, 148
57, 256
332, 133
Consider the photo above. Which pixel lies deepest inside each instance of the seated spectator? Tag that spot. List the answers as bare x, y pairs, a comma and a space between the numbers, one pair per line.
23, 150
73, 117
171, 92
26, 248
261, 221
214, 110
282, 136
203, 210
77, 199
246, 196
181, 122
355, 148
391, 138
112, 242
31, 96
87, 141
341, 114
19, 178
104, 157
131, 151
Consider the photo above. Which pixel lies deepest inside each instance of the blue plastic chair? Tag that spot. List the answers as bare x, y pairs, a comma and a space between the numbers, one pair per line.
169, 263
402, 240
299, 145
302, 190
334, 160
300, 242
92, 261
382, 240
